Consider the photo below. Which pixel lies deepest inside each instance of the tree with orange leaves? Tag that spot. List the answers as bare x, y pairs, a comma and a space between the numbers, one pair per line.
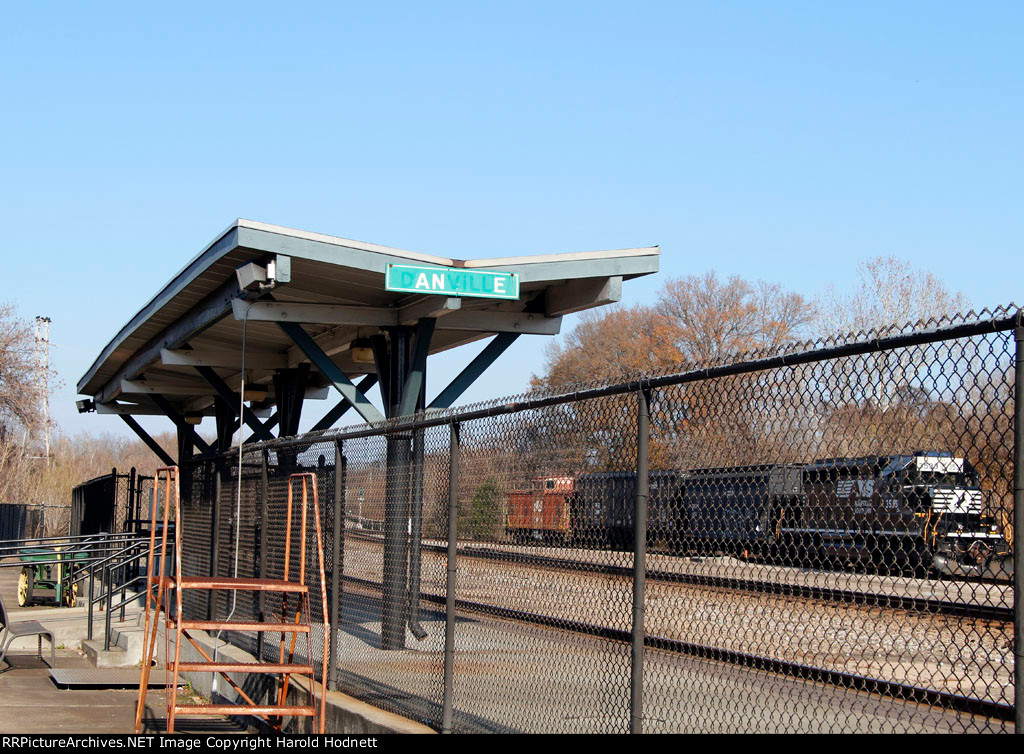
697, 321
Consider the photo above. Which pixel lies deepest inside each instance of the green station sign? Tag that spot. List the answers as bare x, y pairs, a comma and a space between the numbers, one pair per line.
446, 281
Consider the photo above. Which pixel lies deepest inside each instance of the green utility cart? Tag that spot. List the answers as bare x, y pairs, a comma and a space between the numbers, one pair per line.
45, 582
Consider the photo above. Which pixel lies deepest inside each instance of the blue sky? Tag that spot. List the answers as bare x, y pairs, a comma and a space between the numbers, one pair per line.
782, 141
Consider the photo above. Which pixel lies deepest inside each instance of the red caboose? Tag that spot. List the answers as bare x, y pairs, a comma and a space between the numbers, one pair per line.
541, 513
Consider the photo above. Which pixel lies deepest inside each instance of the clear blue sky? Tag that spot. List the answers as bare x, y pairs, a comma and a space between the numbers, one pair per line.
785, 141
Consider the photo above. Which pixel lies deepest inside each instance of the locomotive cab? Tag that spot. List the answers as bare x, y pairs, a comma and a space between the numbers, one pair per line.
944, 492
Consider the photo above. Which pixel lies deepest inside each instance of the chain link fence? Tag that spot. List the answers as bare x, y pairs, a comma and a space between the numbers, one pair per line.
110, 503
825, 544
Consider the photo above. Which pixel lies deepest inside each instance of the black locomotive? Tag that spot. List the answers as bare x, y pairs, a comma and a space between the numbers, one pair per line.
914, 512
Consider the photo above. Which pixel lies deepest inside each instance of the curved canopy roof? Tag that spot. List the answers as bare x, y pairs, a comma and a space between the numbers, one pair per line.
336, 291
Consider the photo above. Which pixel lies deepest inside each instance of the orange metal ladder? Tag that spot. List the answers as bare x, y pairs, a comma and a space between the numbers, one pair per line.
167, 477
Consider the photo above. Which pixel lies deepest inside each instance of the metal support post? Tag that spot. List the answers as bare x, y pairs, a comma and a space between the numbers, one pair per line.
416, 536
337, 559
636, 686
396, 505
450, 583
1018, 528
396, 543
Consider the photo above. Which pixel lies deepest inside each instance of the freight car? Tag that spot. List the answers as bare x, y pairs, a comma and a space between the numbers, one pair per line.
540, 513
601, 507
917, 512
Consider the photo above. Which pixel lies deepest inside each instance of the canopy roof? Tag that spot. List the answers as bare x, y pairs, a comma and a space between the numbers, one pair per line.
336, 290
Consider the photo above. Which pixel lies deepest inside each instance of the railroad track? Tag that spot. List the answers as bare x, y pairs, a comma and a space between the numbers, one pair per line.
850, 681
951, 608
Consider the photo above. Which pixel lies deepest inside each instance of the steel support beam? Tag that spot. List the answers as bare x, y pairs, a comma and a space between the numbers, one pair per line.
396, 501
430, 306
320, 314
582, 294
233, 399
268, 425
224, 359
184, 428
150, 442
380, 360
331, 371
417, 374
289, 386
224, 415
385, 317
205, 313
139, 409
476, 367
332, 416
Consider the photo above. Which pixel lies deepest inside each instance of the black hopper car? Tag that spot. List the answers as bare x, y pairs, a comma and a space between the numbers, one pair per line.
913, 513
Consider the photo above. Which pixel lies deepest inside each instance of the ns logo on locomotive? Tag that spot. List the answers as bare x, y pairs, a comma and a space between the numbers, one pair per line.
919, 512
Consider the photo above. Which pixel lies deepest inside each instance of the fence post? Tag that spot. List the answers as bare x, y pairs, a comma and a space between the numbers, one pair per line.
337, 562
1018, 527
211, 599
636, 685
129, 513
262, 543
449, 599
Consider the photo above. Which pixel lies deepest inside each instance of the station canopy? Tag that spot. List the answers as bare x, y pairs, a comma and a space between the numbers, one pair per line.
317, 305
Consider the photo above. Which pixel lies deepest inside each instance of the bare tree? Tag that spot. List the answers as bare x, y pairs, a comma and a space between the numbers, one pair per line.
18, 399
19, 403
709, 320
888, 291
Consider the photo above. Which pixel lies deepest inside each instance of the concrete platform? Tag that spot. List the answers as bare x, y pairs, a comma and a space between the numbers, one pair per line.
31, 703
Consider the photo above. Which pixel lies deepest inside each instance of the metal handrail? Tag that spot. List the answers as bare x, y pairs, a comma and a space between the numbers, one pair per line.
84, 562
108, 535
80, 546
98, 557
107, 590
111, 565
90, 564
120, 588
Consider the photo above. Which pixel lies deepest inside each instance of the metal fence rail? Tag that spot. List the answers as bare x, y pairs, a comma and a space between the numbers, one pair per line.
825, 543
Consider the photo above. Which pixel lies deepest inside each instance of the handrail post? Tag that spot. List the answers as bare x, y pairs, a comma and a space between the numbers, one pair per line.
106, 617
643, 434
450, 581
92, 587
124, 579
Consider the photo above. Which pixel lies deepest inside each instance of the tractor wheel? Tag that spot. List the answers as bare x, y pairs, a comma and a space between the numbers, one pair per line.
23, 587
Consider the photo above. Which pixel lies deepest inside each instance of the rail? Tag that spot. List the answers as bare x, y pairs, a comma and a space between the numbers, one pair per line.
891, 601
110, 563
